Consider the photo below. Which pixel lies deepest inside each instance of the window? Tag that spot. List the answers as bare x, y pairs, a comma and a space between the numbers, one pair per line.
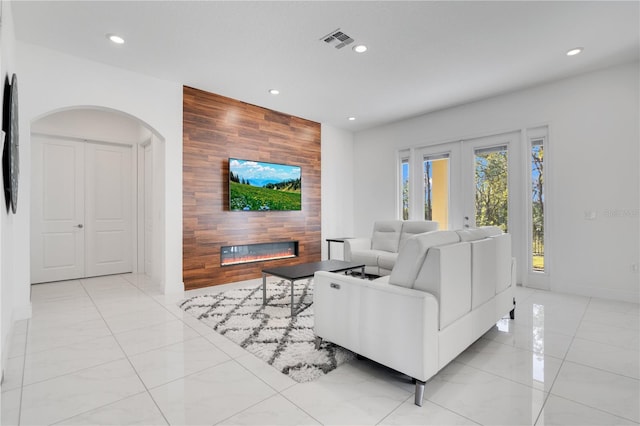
491, 187
537, 204
435, 170
404, 188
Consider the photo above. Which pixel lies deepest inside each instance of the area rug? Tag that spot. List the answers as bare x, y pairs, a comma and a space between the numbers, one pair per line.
269, 332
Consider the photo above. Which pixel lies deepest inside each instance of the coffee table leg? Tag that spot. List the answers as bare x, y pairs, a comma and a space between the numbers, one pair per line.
363, 276
264, 288
292, 309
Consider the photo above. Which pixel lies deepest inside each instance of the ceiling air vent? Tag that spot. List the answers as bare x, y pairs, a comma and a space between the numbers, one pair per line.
337, 39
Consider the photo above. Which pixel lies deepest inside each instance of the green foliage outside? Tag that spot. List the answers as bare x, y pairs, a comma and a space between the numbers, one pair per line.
492, 192
247, 197
537, 205
405, 200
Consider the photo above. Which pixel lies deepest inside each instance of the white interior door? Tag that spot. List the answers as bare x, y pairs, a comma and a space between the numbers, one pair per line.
81, 219
108, 234
57, 215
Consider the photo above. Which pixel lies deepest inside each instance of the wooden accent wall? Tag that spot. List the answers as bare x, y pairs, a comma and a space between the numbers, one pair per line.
214, 129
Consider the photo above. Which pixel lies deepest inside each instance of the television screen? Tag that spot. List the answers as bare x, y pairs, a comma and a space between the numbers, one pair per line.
259, 186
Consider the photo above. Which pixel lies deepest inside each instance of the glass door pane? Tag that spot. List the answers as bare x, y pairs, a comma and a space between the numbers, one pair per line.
491, 187
537, 204
404, 188
436, 189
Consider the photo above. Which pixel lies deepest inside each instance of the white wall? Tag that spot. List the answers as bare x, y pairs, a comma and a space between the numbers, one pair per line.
593, 162
93, 124
52, 81
337, 186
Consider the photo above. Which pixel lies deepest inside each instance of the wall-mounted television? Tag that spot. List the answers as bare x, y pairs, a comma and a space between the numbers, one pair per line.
260, 186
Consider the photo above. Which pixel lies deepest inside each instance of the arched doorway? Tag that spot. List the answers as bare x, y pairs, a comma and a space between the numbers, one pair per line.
93, 194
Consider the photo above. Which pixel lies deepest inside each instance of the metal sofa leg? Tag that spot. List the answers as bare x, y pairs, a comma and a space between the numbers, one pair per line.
512, 313
419, 392
318, 342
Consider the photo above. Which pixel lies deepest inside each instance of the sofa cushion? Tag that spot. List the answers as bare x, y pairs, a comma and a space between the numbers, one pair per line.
472, 234
503, 261
411, 257
446, 274
491, 231
387, 260
367, 257
483, 271
414, 227
386, 235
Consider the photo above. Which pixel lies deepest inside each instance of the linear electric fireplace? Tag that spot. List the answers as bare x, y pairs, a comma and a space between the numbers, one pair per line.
247, 253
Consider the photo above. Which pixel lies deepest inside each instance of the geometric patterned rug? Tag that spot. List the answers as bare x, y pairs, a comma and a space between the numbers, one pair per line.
269, 332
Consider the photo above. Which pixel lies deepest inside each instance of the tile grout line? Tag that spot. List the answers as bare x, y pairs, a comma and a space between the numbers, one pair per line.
146, 389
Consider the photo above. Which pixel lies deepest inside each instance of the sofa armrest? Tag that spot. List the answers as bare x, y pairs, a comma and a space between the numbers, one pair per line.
355, 244
392, 325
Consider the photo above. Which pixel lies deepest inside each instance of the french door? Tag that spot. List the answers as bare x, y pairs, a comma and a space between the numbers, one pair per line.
489, 176
81, 217
466, 184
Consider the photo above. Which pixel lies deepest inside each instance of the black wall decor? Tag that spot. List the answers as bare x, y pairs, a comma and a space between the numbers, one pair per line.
10, 152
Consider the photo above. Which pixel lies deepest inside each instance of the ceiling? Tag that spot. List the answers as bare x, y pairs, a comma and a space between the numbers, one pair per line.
422, 57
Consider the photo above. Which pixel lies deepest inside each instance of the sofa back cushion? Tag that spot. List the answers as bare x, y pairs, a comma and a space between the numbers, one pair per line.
504, 261
491, 231
386, 235
412, 255
490, 261
472, 234
483, 271
414, 227
446, 273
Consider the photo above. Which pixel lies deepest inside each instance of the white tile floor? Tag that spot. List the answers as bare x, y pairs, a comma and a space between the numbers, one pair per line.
112, 350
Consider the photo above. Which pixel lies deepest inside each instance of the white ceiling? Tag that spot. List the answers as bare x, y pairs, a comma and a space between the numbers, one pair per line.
423, 56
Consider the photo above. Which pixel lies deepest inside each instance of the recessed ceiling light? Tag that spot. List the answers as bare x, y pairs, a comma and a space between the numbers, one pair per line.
351, 118
115, 38
575, 51
361, 48
274, 91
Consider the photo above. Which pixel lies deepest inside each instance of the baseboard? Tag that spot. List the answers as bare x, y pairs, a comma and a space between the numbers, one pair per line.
170, 288
22, 312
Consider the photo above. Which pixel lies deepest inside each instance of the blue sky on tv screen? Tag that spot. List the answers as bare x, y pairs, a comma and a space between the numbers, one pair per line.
259, 174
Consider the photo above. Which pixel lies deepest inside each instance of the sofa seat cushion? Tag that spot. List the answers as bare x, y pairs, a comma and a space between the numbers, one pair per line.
367, 257
387, 260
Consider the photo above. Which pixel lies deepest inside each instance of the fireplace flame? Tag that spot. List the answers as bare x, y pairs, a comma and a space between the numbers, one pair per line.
235, 258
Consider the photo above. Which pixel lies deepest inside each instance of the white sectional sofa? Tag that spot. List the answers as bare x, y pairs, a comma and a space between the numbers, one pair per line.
447, 289
379, 253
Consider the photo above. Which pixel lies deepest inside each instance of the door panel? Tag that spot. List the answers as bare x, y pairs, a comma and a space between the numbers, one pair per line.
487, 174
440, 189
81, 217
57, 210
108, 210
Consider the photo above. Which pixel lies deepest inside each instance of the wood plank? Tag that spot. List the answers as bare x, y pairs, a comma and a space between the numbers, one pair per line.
216, 128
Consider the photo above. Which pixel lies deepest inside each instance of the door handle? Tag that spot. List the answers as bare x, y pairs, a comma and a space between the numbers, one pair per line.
79, 226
